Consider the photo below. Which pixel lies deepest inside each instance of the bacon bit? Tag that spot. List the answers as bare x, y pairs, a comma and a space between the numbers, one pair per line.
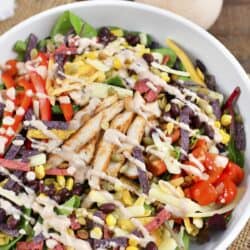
30, 245
74, 224
59, 246
141, 86
165, 59
63, 50
57, 171
151, 95
158, 220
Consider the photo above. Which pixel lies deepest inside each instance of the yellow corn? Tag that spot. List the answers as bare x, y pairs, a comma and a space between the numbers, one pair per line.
177, 182
132, 248
96, 233
185, 60
81, 220
127, 198
92, 54
61, 180
141, 50
126, 225
170, 128
69, 183
191, 229
4, 239
42, 195
70, 232
40, 172
49, 181
70, 248
225, 136
165, 76
117, 32
200, 74
111, 220
101, 76
117, 63
61, 134
217, 124
226, 120
133, 242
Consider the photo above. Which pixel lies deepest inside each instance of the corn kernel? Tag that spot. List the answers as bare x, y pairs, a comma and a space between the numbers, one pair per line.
133, 242
61, 180
81, 220
96, 233
101, 77
70, 248
165, 76
200, 74
170, 128
126, 225
40, 172
42, 195
132, 248
177, 182
111, 220
117, 63
92, 54
70, 232
188, 225
127, 198
226, 120
69, 183
225, 137
117, 32
217, 124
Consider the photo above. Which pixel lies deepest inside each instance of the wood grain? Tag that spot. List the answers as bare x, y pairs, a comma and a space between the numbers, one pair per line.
233, 29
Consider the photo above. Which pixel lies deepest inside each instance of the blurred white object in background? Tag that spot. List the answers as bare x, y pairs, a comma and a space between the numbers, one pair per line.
7, 9
202, 12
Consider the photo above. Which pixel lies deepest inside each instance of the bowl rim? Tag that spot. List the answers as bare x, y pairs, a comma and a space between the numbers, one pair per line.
225, 242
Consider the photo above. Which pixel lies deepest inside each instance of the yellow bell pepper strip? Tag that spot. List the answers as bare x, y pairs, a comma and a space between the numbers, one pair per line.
61, 134
186, 61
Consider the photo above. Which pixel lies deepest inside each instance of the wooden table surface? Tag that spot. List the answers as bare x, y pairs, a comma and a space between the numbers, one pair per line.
233, 29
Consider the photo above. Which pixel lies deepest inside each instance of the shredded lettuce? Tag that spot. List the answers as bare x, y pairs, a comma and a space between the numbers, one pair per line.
67, 207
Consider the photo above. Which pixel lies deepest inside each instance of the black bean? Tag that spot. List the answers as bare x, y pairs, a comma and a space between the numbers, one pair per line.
195, 122
174, 110
148, 58
78, 189
208, 130
221, 147
210, 81
154, 45
12, 222
107, 208
49, 190
132, 39
201, 66
151, 246
64, 194
2, 215
105, 36
57, 198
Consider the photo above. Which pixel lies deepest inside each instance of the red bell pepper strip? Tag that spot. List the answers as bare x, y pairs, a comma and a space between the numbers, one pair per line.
157, 167
31, 245
44, 58
11, 68
44, 103
67, 109
158, 220
232, 99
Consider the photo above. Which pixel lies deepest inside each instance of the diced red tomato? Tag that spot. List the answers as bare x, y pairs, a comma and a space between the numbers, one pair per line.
31, 245
203, 192
215, 165
157, 167
8, 81
44, 103
44, 58
234, 172
200, 150
158, 220
226, 190
11, 67
175, 136
152, 95
14, 165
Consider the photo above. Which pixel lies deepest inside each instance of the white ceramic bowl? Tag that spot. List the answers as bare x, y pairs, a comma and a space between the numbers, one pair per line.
160, 24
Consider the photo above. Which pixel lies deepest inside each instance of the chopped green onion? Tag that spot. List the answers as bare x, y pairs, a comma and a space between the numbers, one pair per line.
20, 46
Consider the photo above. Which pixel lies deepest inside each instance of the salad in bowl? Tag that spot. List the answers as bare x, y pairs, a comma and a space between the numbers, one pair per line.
110, 140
